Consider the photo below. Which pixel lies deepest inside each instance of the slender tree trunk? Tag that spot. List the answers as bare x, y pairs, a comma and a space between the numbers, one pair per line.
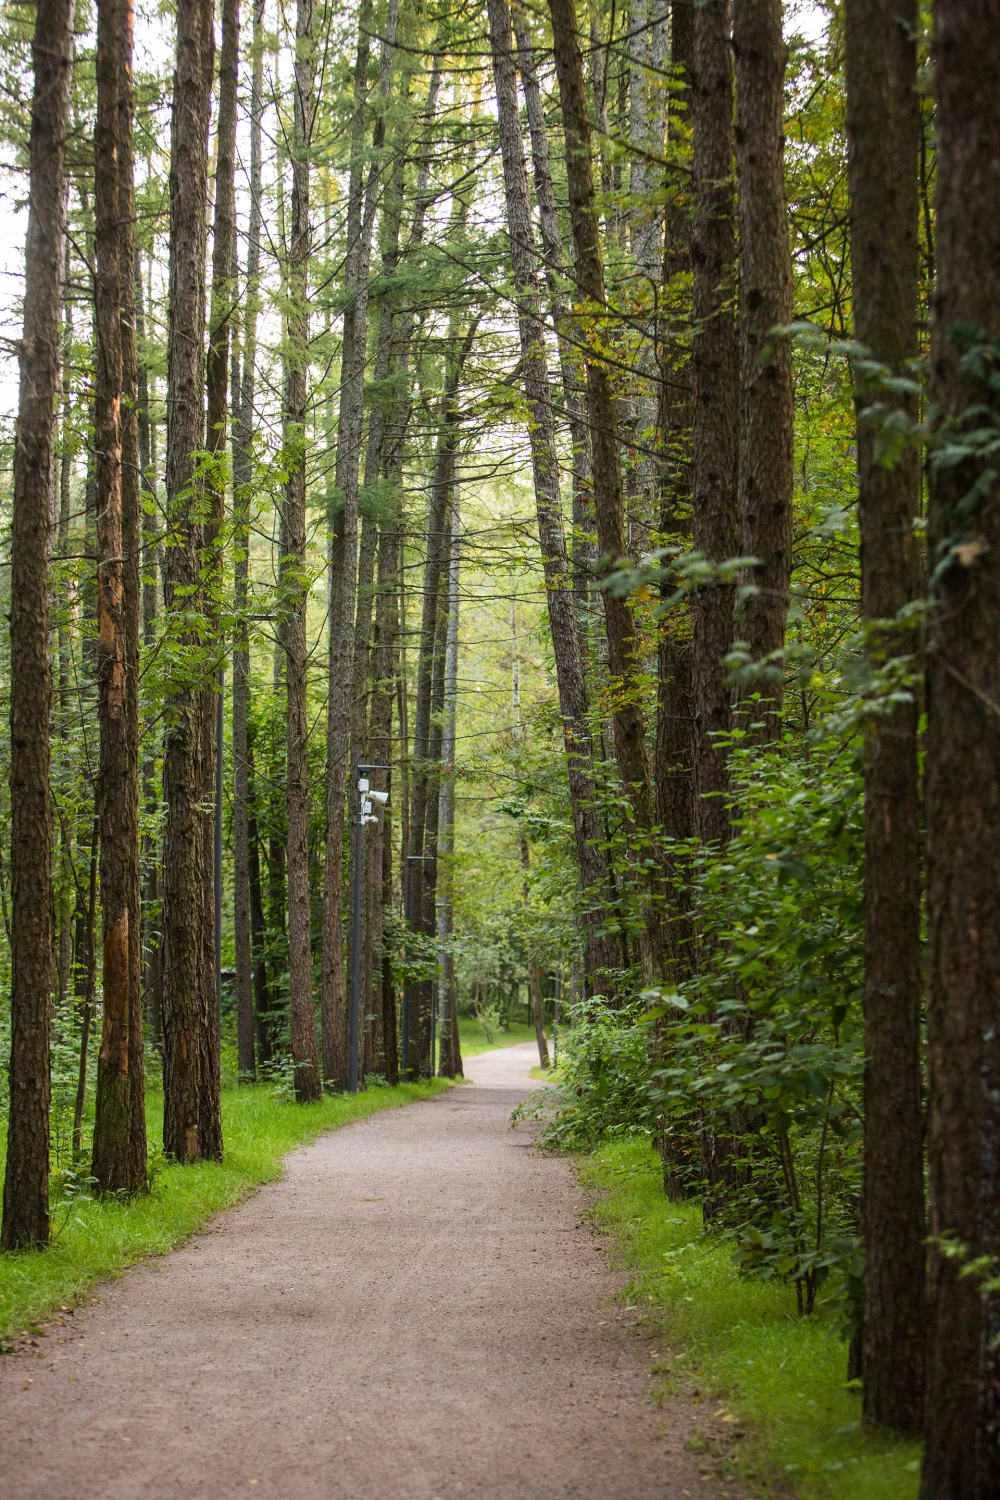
85, 981
883, 124
151, 931
191, 1121
441, 486
132, 579
534, 976
962, 1453
715, 405
111, 1165
625, 663
450, 1065
343, 595
308, 1084
766, 448
570, 366
220, 323
344, 542
602, 948
243, 427
26, 1180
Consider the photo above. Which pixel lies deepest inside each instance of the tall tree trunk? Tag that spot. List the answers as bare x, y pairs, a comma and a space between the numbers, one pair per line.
766, 444
534, 975
343, 591
715, 413
151, 932
962, 1453
243, 427
308, 1084
450, 1065
570, 368
602, 948
883, 124
438, 530
625, 663
110, 1165
220, 325
26, 1179
191, 1120
132, 579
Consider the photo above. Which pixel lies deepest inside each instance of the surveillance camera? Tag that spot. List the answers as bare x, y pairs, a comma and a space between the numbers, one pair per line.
379, 797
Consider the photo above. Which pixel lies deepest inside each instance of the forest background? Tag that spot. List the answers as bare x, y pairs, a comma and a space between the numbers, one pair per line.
582, 421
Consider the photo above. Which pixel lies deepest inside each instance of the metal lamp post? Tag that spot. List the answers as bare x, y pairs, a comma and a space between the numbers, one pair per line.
366, 800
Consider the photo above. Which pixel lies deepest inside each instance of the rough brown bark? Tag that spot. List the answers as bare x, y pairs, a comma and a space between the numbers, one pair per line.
132, 579
192, 1127
243, 425
111, 1158
449, 1055
308, 1084
962, 1451
595, 877
438, 533
883, 124
26, 1179
534, 975
625, 665
220, 324
716, 406
343, 595
570, 366
766, 445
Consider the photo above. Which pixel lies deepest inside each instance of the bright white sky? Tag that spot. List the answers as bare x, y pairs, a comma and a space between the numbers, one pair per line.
804, 16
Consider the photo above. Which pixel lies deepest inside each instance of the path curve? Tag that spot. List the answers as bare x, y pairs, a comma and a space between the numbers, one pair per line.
415, 1312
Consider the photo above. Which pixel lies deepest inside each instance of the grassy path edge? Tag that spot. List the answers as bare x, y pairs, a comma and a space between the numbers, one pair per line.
738, 1346
95, 1241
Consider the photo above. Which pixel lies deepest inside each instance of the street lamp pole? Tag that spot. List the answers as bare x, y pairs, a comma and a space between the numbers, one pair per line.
366, 799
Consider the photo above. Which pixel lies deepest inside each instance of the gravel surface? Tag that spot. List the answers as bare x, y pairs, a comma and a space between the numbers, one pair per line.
416, 1312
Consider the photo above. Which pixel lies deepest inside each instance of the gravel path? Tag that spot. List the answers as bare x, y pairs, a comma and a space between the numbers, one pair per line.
415, 1311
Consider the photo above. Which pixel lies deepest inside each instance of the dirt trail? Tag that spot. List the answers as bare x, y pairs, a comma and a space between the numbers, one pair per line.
414, 1312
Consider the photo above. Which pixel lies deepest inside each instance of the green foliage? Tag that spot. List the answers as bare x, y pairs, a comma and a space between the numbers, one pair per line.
603, 1089
737, 1347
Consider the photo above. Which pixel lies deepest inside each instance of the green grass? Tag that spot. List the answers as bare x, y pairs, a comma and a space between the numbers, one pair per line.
472, 1037
740, 1343
94, 1239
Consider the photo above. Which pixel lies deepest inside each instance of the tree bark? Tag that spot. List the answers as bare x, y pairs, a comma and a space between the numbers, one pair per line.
438, 530
191, 1120
26, 1179
766, 442
883, 124
569, 363
715, 405
343, 594
243, 427
308, 1084
111, 1158
595, 877
450, 1055
962, 1451
625, 665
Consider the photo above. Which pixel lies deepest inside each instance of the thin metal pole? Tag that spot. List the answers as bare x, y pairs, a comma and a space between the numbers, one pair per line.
219, 759
356, 957
434, 994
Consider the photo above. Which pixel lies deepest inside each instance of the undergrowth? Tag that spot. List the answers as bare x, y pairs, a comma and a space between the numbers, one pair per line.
738, 1345
93, 1239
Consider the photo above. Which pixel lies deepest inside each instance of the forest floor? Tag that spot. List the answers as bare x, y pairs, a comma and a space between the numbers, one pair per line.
416, 1310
